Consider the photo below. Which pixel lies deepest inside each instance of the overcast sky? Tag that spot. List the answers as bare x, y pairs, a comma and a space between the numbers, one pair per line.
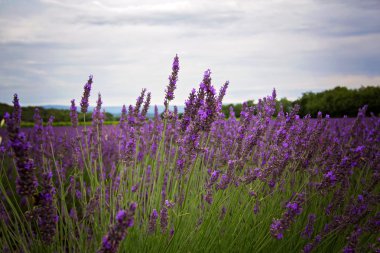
49, 47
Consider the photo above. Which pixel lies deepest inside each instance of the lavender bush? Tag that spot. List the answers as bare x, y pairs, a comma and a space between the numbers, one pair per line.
200, 183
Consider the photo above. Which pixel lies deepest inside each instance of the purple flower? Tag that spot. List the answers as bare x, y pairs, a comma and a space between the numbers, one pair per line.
256, 209
353, 240
37, 118
276, 229
164, 219
98, 116
308, 248
189, 111
73, 214
123, 117
78, 194
139, 102
172, 83
121, 215
148, 174
152, 221
348, 250
202, 114
129, 148
169, 204
224, 181
117, 233
222, 93
144, 111
214, 176
86, 94
16, 109
135, 187
330, 176
46, 209
163, 189
294, 207
26, 182
309, 228
208, 197
274, 94
207, 103
73, 114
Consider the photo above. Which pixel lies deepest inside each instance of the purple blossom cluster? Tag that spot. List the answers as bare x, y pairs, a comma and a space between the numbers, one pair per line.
26, 181
117, 232
73, 114
84, 104
293, 209
173, 78
47, 209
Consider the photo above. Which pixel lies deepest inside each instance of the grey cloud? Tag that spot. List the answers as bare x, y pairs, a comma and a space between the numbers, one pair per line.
294, 46
336, 63
168, 19
169, 13
347, 18
353, 56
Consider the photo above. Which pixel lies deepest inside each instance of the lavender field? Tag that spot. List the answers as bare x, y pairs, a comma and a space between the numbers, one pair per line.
265, 182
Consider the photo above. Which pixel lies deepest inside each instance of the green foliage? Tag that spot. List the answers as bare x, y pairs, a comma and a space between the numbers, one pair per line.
59, 114
237, 108
340, 101
337, 102
286, 104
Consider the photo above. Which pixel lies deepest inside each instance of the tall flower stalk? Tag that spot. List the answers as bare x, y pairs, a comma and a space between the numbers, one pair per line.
173, 78
117, 233
26, 181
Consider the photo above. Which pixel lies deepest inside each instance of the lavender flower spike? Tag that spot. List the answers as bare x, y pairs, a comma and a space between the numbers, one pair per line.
223, 90
117, 233
73, 114
308, 231
47, 210
16, 111
169, 96
152, 221
164, 219
26, 182
293, 209
145, 109
86, 94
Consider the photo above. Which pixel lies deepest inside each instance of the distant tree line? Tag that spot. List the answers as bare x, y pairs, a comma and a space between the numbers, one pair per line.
287, 106
336, 102
341, 101
59, 114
